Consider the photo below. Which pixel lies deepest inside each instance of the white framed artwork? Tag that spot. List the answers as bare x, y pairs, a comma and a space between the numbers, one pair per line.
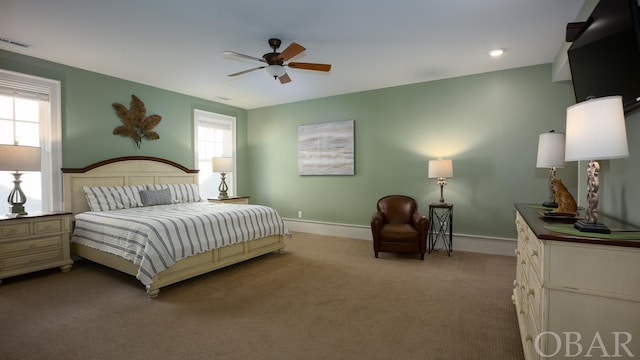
326, 148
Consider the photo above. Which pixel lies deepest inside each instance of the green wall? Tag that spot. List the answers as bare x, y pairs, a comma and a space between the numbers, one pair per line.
619, 191
88, 119
488, 124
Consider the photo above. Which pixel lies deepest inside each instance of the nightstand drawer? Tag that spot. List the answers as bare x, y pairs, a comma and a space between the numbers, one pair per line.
14, 230
28, 260
30, 246
48, 226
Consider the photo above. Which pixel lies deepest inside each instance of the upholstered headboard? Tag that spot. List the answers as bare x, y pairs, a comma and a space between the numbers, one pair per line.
129, 170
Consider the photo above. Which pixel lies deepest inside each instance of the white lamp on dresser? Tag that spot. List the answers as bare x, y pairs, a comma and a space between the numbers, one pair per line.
551, 156
596, 130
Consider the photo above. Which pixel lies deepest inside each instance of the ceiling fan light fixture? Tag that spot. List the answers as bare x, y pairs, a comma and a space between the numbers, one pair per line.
275, 70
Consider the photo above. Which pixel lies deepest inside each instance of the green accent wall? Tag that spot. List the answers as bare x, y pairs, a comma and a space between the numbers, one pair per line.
619, 190
488, 124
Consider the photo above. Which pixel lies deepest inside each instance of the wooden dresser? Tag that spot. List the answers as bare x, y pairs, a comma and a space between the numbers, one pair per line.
575, 296
34, 242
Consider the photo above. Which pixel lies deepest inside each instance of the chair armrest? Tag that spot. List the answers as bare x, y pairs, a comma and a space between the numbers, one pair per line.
377, 220
420, 222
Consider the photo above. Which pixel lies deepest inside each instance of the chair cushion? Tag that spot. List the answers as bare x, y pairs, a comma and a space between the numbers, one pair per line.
398, 232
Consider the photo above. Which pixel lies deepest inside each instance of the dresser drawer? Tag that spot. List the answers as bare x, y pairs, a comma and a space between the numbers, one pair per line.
30, 246
30, 260
48, 226
534, 298
14, 230
529, 339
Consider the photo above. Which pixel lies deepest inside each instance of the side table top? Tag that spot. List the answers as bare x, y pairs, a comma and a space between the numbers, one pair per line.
441, 205
229, 197
33, 215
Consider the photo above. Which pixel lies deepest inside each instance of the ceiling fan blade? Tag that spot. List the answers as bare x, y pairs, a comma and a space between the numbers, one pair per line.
247, 71
233, 53
284, 79
291, 51
309, 66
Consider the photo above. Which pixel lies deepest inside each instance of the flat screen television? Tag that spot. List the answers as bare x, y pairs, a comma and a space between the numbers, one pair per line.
605, 59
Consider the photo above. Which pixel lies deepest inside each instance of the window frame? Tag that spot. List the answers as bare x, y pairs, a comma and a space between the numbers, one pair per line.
203, 116
50, 137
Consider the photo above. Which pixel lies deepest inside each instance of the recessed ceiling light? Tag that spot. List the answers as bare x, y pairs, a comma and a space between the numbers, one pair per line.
496, 52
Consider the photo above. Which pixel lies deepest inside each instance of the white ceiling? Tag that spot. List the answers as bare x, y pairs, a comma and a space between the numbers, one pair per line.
177, 45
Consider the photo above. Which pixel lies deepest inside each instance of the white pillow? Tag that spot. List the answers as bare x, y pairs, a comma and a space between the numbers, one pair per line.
102, 198
180, 193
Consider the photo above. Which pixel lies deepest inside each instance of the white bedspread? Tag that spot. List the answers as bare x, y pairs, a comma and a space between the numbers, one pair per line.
155, 237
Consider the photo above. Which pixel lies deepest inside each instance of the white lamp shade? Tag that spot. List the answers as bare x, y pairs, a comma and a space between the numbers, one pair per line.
275, 70
551, 150
222, 164
440, 168
19, 158
596, 130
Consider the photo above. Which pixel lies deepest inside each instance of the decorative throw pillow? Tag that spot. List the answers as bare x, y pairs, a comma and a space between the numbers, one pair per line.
180, 193
103, 198
156, 197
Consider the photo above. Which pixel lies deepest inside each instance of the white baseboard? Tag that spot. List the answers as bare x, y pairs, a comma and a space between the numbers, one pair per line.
461, 242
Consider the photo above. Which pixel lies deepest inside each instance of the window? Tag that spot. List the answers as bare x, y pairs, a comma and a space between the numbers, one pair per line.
30, 115
215, 136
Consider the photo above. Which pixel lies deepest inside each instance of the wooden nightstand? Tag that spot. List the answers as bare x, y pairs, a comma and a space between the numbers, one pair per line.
231, 200
34, 242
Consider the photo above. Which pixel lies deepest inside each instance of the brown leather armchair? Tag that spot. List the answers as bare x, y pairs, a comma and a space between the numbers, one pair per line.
398, 227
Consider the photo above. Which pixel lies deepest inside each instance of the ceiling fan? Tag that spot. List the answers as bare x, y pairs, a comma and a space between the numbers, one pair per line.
275, 65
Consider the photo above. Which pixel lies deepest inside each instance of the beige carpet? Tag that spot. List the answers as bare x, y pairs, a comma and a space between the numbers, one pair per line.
323, 298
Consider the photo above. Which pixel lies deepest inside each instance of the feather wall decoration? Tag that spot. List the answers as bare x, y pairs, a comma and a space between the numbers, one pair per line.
137, 125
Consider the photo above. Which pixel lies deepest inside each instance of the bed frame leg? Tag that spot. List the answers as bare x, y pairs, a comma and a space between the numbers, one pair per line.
152, 293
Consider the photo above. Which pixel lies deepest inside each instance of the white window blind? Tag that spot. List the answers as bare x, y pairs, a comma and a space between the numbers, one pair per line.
24, 90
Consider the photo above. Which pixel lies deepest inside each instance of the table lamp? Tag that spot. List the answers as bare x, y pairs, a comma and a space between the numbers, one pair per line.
19, 158
222, 165
441, 169
551, 156
595, 130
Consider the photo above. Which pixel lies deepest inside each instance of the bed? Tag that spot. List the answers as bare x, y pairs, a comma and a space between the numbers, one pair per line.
236, 238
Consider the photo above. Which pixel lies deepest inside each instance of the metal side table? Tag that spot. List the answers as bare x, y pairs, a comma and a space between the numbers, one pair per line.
441, 226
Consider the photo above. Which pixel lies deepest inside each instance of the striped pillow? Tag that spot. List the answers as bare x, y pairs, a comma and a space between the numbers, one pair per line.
103, 198
180, 193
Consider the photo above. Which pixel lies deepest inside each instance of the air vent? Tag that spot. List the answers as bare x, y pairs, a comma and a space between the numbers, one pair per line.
13, 42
